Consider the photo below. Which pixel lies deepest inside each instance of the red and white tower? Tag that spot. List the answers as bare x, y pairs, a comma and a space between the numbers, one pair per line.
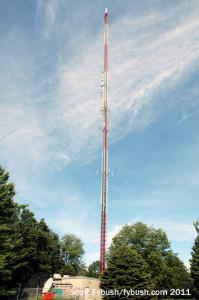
104, 170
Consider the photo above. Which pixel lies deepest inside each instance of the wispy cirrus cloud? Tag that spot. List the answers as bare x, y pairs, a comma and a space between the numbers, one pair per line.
149, 58
54, 68
48, 10
141, 65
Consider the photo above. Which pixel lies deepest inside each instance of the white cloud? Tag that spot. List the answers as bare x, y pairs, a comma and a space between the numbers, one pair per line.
94, 241
176, 231
63, 115
47, 10
147, 58
147, 55
63, 158
115, 230
112, 233
140, 64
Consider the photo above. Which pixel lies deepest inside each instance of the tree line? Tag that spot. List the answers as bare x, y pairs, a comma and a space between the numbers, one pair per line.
140, 257
28, 246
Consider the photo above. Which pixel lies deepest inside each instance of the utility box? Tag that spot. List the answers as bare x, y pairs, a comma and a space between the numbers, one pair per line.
59, 292
47, 296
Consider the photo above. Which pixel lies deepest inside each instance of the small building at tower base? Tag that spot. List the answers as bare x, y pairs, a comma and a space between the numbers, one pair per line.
75, 287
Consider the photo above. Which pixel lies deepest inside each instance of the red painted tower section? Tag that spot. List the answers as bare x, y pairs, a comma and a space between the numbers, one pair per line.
104, 171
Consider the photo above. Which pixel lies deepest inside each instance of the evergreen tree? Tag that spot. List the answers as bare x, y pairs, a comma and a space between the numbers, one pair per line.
48, 249
56, 258
195, 262
28, 246
44, 247
10, 240
126, 271
28, 230
41, 246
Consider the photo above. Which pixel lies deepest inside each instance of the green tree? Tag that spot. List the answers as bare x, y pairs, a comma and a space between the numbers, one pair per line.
56, 257
48, 249
7, 218
11, 242
28, 230
93, 269
126, 271
72, 253
83, 271
153, 245
176, 275
35, 248
194, 270
42, 249
26, 245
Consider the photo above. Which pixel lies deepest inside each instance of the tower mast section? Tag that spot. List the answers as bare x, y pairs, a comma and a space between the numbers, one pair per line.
104, 171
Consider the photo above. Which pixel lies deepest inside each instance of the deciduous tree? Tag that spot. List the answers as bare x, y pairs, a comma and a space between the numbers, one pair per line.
154, 247
72, 253
93, 269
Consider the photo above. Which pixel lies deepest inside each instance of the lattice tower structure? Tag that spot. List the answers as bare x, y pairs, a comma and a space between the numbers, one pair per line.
104, 169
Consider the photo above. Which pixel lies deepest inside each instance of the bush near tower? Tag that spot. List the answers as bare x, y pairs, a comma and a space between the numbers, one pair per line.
126, 270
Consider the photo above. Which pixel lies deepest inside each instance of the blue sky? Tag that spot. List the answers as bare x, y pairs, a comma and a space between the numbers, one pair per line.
51, 59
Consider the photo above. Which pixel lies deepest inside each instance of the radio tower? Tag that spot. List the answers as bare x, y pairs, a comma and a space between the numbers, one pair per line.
104, 170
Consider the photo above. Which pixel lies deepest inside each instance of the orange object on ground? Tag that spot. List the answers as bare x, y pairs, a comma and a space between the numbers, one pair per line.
47, 296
